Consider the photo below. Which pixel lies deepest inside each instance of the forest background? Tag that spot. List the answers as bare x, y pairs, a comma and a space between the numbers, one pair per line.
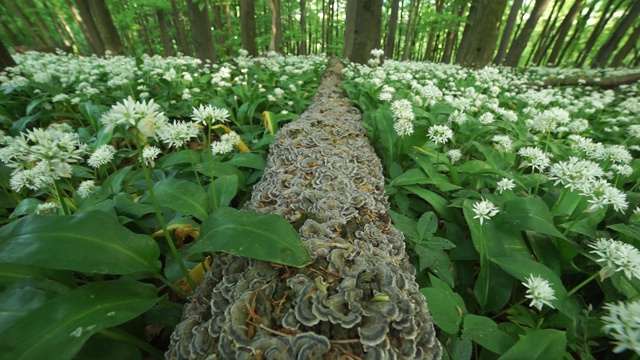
565, 33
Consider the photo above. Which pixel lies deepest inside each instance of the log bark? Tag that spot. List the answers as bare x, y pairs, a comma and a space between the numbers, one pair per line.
608, 82
324, 177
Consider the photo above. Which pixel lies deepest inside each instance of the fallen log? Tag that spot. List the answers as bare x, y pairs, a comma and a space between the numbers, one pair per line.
608, 82
358, 299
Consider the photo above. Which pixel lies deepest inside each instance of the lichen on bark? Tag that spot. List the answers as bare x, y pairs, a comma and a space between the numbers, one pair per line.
358, 299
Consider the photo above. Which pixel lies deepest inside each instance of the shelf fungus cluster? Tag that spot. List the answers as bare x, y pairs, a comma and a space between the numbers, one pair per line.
358, 299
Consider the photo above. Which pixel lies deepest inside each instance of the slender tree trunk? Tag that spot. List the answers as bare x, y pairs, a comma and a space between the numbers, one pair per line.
631, 42
391, 30
43, 30
367, 30
12, 36
545, 39
428, 53
275, 44
92, 34
582, 22
606, 51
217, 24
201, 32
520, 43
350, 28
6, 60
227, 14
178, 23
481, 34
17, 10
608, 10
106, 27
507, 32
452, 38
167, 46
303, 28
413, 4
56, 20
248, 26
563, 30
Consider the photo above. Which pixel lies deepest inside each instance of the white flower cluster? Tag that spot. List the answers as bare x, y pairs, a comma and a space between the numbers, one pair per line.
403, 116
226, 143
484, 210
440, 134
623, 324
616, 256
539, 291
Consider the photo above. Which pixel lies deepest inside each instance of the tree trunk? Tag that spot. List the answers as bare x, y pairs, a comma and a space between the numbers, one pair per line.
167, 45
326, 309
217, 24
106, 27
582, 22
302, 50
563, 30
6, 60
367, 30
413, 5
452, 37
606, 51
178, 23
608, 10
609, 82
349, 28
275, 43
57, 20
520, 43
248, 26
227, 12
428, 53
507, 32
201, 32
481, 34
92, 34
631, 42
546, 37
35, 15
390, 39
17, 10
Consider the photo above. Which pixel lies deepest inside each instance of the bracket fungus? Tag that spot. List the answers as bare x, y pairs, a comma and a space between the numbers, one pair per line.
357, 299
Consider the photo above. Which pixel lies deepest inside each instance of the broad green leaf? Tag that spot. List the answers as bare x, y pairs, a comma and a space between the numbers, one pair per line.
632, 231
427, 224
493, 287
179, 158
485, 333
248, 160
91, 242
446, 308
222, 190
547, 344
476, 167
103, 348
253, 235
406, 225
112, 185
521, 269
182, 196
530, 214
25, 207
17, 301
435, 259
439, 204
411, 177
59, 328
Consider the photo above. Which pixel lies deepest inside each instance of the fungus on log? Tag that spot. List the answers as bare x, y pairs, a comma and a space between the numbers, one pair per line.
357, 299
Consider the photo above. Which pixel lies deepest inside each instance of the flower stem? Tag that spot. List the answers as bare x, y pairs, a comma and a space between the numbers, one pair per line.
60, 196
582, 284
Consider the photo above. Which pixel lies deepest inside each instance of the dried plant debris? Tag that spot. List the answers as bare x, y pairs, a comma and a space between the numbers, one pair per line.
357, 300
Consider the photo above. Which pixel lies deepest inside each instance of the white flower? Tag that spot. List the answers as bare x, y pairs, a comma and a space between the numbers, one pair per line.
47, 208
178, 133
539, 291
85, 188
602, 194
149, 154
458, 117
402, 109
440, 134
226, 143
503, 142
617, 256
103, 155
575, 173
209, 115
484, 209
623, 324
534, 157
486, 118
403, 127
454, 155
505, 184
376, 53
385, 96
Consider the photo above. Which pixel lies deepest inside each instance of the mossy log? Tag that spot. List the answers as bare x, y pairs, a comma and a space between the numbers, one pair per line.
608, 82
358, 299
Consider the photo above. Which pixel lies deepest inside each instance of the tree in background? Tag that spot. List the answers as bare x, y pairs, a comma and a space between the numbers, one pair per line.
248, 26
201, 31
390, 39
6, 60
606, 51
366, 29
520, 43
507, 32
275, 44
481, 33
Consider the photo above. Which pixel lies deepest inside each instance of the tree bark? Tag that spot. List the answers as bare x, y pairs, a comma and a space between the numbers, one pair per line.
563, 30
182, 37
93, 35
606, 51
631, 42
217, 24
608, 82
520, 43
481, 34
452, 37
17, 10
35, 15
367, 30
248, 26
546, 38
201, 32
6, 60
390, 39
106, 27
302, 50
349, 28
167, 45
413, 8
507, 32
428, 53
608, 10
275, 43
